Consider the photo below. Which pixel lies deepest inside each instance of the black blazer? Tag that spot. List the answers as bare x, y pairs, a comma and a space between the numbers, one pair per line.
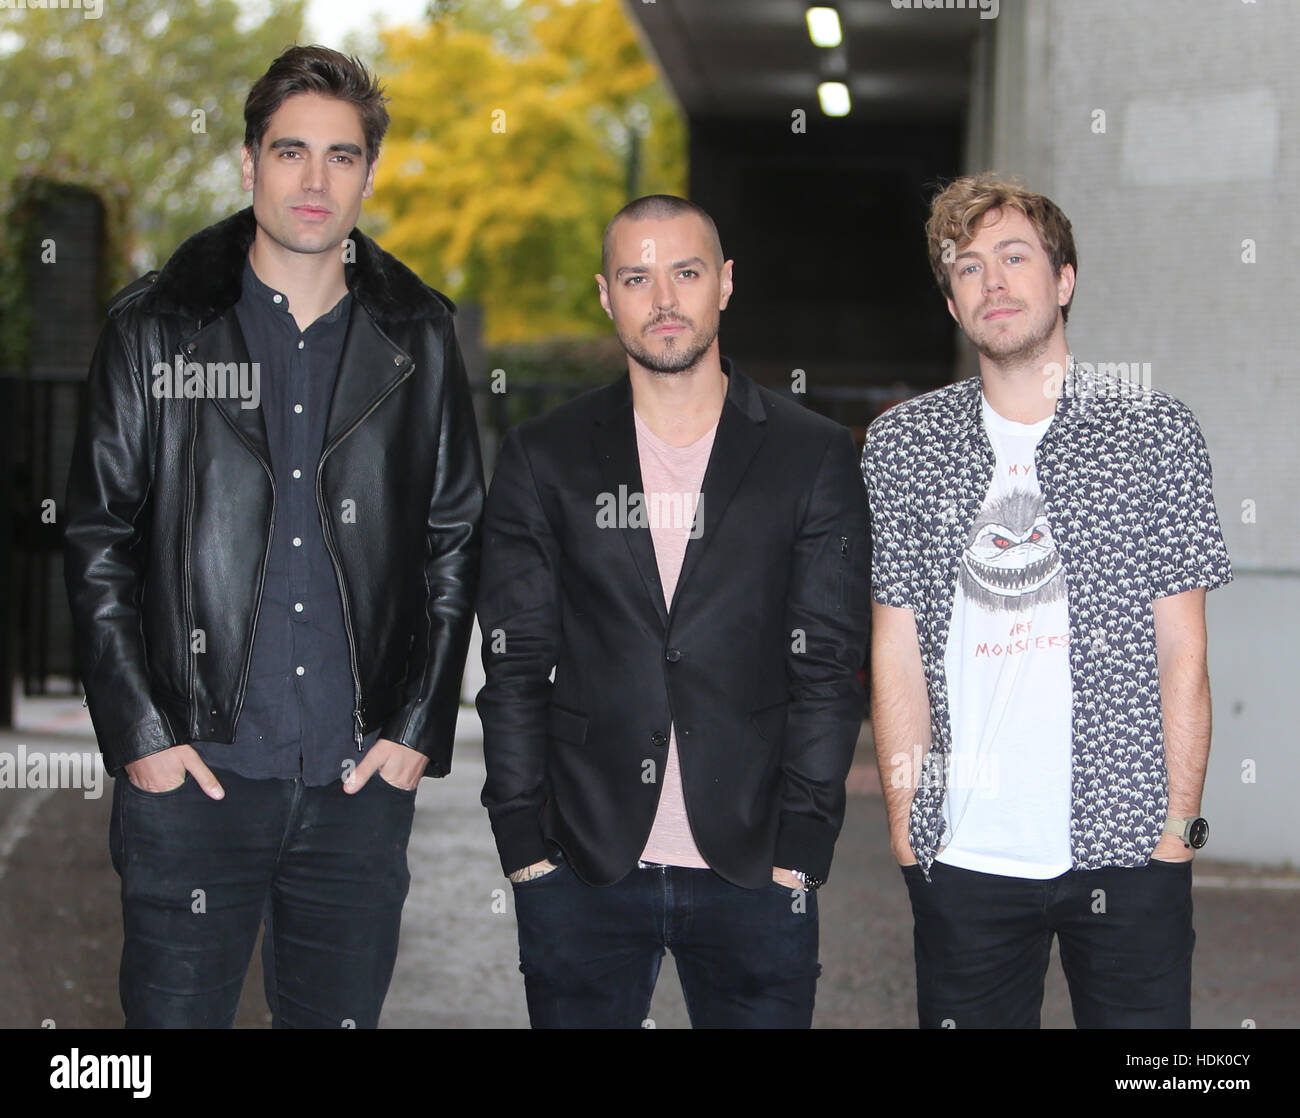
756, 663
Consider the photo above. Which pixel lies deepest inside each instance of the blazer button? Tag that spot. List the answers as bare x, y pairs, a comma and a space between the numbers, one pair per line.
673, 655
658, 738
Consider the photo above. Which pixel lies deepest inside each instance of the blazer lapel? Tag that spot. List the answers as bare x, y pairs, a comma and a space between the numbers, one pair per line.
614, 439
739, 435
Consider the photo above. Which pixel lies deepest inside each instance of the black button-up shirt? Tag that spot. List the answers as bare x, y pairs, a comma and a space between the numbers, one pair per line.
297, 715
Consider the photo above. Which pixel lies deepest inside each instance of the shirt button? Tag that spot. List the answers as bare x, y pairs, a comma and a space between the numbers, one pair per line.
300, 670
301, 343
277, 298
297, 408
673, 655
297, 473
297, 541
297, 607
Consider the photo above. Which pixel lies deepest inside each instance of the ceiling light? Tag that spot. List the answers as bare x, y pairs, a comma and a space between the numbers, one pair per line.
834, 97
824, 27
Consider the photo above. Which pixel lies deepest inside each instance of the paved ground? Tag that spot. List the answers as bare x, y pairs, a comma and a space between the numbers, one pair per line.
60, 921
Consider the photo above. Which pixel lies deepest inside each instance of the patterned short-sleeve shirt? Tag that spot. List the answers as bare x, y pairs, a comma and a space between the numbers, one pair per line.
1127, 488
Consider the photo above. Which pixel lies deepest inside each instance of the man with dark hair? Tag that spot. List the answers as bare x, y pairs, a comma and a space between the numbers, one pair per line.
686, 552
272, 589
316, 70
1043, 538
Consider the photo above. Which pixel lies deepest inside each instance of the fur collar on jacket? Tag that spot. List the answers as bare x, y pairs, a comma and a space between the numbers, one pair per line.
202, 278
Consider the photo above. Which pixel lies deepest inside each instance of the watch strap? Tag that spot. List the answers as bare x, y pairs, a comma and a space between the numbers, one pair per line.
1177, 827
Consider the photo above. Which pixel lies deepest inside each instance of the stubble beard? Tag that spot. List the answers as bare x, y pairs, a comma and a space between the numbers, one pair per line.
675, 358
1011, 350
280, 230
282, 237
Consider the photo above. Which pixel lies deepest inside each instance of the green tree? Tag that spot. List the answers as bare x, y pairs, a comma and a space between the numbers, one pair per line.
514, 131
144, 103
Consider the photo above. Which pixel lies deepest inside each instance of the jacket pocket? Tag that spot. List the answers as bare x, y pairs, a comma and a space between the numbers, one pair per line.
842, 572
566, 725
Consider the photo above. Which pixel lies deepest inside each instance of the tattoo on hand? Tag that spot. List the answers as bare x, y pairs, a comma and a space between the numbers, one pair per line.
528, 873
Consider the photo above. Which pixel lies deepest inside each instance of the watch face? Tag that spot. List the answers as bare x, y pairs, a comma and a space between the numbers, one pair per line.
1198, 834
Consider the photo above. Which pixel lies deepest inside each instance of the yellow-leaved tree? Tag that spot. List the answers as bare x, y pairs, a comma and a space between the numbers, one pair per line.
517, 132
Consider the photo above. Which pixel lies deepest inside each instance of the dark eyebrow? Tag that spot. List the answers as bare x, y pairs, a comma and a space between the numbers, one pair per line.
294, 142
641, 269
997, 247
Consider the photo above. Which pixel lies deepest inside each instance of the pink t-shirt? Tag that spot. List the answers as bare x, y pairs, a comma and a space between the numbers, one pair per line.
672, 477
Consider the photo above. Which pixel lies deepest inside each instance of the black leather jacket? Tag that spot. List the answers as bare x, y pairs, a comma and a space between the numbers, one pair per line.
170, 504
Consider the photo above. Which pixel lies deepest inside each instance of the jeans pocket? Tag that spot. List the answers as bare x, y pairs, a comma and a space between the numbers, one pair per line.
396, 788
549, 875
186, 779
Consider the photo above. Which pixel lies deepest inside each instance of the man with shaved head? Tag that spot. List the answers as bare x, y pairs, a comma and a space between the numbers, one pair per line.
661, 207
674, 611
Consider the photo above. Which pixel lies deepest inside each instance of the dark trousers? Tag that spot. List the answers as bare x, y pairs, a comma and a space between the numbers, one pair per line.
326, 872
747, 958
983, 942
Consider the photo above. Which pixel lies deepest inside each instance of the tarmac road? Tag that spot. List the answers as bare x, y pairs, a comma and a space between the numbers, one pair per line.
60, 920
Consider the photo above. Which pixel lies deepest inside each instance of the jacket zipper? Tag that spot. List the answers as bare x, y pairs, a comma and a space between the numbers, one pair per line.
844, 558
242, 692
257, 609
358, 722
189, 598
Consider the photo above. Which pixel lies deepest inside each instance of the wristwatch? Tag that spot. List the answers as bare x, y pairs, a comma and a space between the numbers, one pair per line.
1194, 832
808, 881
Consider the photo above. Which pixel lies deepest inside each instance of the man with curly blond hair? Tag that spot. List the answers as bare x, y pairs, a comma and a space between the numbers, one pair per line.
1043, 538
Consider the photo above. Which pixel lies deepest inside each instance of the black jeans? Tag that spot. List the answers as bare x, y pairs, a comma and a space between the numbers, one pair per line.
326, 872
747, 958
983, 942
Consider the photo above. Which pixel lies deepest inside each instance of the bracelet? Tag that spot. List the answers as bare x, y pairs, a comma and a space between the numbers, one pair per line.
808, 881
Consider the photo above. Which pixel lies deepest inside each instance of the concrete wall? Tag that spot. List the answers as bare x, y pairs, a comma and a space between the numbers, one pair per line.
1200, 152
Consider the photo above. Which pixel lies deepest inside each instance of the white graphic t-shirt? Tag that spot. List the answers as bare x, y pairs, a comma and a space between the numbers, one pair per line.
1007, 809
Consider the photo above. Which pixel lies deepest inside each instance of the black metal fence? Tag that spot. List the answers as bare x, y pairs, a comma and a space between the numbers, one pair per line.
42, 415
